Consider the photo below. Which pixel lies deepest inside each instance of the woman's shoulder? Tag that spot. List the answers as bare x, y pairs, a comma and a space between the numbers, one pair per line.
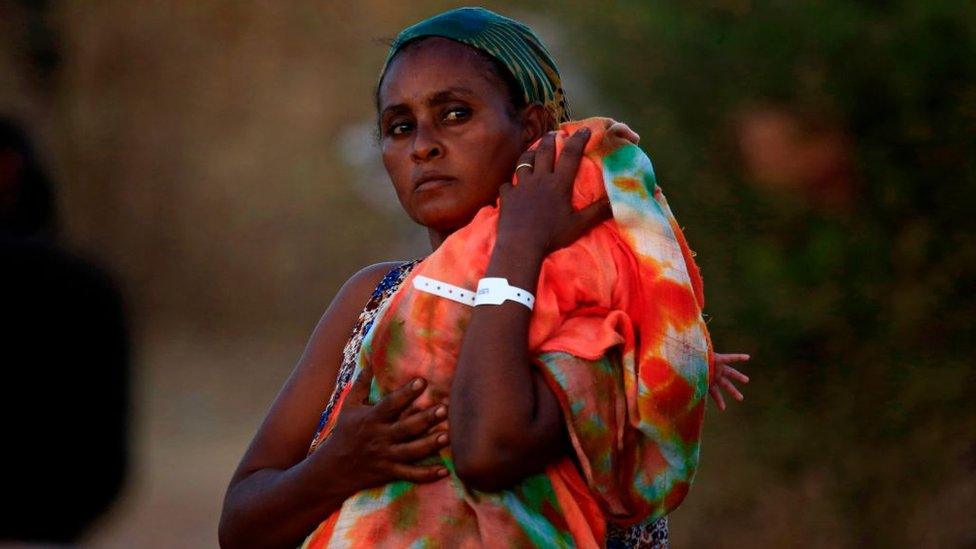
358, 289
373, 274
342, 313
364, 281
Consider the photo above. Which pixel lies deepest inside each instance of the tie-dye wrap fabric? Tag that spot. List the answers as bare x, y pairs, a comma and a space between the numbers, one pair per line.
617, 330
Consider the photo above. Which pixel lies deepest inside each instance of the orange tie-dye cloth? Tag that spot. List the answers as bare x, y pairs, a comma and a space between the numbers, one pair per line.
617, 330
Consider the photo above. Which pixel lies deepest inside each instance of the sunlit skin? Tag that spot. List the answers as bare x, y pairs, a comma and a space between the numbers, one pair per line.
443, 114
277, 495
450, 141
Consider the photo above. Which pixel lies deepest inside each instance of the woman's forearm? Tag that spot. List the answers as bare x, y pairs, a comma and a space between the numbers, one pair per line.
278, 508
496, 417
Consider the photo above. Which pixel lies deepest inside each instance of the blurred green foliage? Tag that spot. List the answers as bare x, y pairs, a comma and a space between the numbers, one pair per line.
859, 312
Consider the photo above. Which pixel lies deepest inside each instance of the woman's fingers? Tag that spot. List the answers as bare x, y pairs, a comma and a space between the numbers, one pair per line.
409, 452
717, 397
569, 158
521, 169
359, 393
419, 474
418, 423
396, 402
594, 214
584, 220
544, 154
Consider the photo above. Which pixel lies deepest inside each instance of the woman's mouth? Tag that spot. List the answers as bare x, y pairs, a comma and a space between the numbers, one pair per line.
431, 182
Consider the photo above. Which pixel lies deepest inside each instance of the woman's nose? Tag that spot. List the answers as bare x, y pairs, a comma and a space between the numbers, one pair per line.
425, 145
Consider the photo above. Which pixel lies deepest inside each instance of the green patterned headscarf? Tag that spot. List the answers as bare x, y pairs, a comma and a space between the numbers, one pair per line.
512, 43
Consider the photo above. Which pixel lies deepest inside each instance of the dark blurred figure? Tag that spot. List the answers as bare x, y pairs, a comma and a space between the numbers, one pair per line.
64, 361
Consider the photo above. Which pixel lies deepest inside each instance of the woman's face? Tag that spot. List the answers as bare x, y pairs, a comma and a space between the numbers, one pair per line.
448, 134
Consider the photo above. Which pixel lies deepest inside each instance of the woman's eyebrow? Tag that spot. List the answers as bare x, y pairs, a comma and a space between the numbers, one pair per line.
448, 94
437, 98
392, 110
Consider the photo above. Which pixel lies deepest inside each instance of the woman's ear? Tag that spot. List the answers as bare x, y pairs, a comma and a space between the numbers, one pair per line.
535, 123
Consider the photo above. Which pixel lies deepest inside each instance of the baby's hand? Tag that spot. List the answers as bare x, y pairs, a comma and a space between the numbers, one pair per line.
724, 374
624, 132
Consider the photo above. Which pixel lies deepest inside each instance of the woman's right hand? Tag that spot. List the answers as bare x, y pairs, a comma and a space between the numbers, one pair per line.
538, 212
373, 444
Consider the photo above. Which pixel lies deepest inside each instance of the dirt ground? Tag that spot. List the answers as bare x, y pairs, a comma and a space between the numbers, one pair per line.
197, 404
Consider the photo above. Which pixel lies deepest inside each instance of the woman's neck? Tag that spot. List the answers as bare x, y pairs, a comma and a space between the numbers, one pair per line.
437, 238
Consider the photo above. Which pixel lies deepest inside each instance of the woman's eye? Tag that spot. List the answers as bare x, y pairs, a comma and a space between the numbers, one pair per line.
456, 114
398, 128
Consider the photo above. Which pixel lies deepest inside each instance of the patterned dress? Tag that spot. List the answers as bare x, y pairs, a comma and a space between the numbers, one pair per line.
650, 535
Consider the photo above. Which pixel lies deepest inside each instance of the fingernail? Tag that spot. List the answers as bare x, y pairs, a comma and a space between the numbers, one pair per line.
441, 412
442, 472
442, 439
417, 384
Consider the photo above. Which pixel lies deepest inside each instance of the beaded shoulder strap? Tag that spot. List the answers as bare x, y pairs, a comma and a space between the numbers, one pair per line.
386, 288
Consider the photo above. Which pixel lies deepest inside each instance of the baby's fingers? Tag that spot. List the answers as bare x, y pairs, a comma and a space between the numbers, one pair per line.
717, 397
731, 389
623, 130
736, 374
721, 358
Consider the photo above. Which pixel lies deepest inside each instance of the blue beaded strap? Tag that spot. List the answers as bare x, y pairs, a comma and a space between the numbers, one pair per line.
386, 288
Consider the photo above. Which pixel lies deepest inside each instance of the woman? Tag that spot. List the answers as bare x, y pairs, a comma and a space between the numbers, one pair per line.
461, 98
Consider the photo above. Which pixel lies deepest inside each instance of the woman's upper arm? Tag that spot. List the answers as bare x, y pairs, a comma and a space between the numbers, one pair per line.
284, 435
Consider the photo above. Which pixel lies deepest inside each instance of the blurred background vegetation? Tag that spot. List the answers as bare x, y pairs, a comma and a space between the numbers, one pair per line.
217, 157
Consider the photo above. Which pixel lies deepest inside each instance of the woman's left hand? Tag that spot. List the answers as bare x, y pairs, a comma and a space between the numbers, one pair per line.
538, 212
724, 374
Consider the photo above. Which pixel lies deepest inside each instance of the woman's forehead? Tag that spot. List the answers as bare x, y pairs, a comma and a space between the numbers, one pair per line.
434, 65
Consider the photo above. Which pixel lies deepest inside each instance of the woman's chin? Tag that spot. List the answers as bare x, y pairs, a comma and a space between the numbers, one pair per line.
445, 220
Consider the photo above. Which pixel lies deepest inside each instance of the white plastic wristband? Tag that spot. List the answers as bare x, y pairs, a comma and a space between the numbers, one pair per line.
445, 290
495, 291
